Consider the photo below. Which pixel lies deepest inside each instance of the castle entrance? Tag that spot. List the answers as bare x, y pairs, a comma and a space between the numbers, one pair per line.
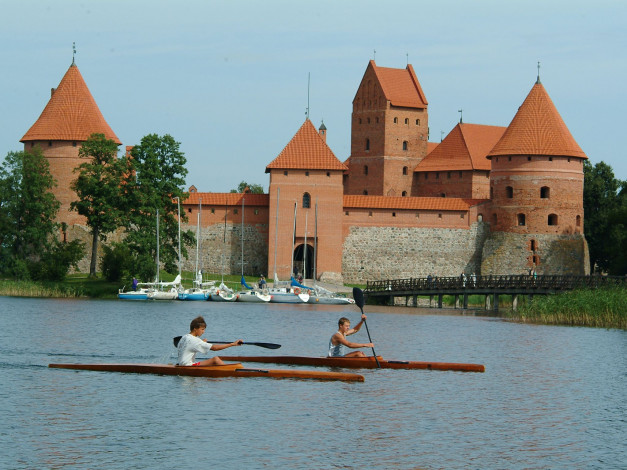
307, 262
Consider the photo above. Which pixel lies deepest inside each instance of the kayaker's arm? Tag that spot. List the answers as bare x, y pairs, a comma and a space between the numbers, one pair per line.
357, 326
340, 339
219, 347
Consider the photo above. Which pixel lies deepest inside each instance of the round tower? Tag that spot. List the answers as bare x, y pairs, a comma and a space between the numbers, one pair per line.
536, 188
67, 121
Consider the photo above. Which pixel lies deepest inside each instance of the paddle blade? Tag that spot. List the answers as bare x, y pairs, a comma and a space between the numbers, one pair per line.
266, 345
358, 295
176, 340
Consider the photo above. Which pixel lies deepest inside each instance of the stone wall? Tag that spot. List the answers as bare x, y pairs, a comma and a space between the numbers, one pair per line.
511, 253
374, 253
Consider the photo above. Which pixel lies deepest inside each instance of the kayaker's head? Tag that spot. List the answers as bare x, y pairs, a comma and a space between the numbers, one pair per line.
196, 325
344, 324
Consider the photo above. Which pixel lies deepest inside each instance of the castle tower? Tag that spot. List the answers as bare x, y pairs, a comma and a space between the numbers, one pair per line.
536, 185
389, 132
67, 121
308, 174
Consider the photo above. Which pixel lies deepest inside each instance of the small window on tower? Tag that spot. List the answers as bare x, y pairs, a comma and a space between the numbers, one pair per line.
417, 122
404, 193
545, 192
306, 201
552, 219
406, 120
404, 145
395, 120
509, 191
404, 170
367, 144
365, 169
521, 219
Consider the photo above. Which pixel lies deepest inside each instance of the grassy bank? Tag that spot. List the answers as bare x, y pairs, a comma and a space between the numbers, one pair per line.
605, 308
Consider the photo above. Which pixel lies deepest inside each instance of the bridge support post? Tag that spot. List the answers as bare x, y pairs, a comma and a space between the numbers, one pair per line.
456, 301
465, 301
488, 302
496, 302
415, 301
515, 302
440, 300
430, 300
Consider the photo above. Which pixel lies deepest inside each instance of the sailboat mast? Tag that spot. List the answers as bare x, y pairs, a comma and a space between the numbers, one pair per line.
305, 250
178, 204
198, 235
276, 231
315, 242
157, 245
293, 241
242, 237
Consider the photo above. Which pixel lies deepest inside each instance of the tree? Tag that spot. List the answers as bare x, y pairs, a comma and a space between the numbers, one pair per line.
249, 188
601, 202
28, 208
99, 189
160, 173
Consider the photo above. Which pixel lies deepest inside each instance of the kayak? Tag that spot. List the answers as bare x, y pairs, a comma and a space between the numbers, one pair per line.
357, 363
227, 370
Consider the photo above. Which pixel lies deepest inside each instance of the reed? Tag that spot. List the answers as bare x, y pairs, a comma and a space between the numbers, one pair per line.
39, 289
604, 308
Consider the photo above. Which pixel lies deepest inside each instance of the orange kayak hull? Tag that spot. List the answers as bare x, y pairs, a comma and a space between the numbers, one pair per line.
227, 370
358, 363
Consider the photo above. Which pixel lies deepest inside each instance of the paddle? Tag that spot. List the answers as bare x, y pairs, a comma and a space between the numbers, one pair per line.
176, 340
358, 295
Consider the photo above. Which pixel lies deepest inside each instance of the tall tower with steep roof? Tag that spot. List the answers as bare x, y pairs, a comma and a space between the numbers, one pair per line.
389, 132
536, 185
67, 121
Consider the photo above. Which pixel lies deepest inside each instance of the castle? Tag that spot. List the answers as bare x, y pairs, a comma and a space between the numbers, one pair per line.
486, 200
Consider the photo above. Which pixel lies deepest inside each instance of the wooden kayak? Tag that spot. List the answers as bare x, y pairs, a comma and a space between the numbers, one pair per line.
357, 363
227, 370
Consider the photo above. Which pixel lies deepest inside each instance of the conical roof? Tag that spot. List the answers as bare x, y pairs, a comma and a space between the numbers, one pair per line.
537, 129
308, 151
71, 113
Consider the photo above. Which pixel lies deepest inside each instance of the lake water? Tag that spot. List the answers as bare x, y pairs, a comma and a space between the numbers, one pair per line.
551, 397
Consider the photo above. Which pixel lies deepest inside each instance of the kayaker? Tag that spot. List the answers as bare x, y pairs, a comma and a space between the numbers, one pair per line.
338, 343
191, 344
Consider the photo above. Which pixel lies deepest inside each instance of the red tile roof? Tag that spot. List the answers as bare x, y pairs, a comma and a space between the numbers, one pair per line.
71, 113
465, 148
308, 151
400, 86
537, 129
228, 199
415, 203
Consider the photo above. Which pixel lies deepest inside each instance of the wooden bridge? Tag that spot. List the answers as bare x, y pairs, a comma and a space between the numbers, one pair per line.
489, 286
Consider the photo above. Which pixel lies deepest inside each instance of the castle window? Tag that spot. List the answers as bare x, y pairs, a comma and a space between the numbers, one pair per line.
437, 176
189, 210
404, 145
491, 192
404, 193
533, 245
234, 211
528, 159
521, 219
256, 211
306, 201
479, 217
365, 192
365, 169
50, 143
285, 173
494, 219
406, 120
509, 191
32, 144
367, 144
376, 119
417, 122
568, 159
213, 211
404, 170
552, 219
74, 144
393, 214
359, 120
578, 221
370, 214
461, 175
439, 216
535, 260
346, 213
545, 192
448, 175
550, 159
395, 120
442, 194
509, 159
426, 176
306, 173
368, 120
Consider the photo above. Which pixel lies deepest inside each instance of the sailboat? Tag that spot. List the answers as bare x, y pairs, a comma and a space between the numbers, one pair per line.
223, 293
164, 290
199, 289
283, 292
248, 293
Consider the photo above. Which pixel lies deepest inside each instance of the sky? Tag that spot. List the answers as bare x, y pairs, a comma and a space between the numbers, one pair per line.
232, 80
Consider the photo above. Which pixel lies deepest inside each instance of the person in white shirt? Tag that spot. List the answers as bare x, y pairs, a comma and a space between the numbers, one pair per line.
191, 344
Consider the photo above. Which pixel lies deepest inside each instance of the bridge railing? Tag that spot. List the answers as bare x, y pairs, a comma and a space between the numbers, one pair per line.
543, 282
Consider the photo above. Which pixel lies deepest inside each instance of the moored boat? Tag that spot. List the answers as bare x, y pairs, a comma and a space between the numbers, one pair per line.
227, 370
222, 294
357, 363
288, 295
253, 296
